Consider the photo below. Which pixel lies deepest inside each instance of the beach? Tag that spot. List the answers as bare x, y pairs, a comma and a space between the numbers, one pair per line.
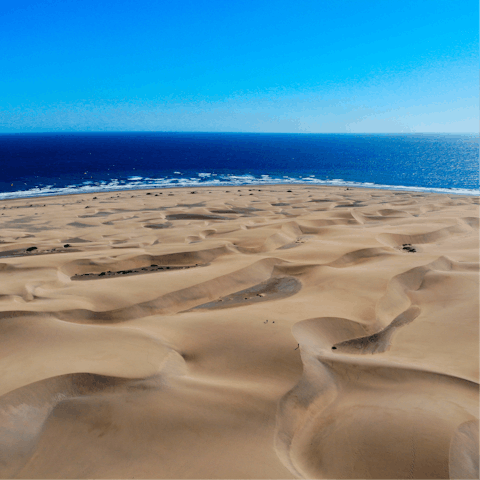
280, 331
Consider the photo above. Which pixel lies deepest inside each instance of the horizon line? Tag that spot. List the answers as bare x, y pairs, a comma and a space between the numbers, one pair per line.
238, 132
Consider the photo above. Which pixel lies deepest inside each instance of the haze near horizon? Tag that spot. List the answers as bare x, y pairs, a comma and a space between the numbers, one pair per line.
308, 67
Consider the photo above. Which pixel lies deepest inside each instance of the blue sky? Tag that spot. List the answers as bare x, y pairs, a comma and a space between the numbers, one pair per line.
247, 66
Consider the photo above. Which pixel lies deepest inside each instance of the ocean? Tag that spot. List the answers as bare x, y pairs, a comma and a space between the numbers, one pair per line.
66, 163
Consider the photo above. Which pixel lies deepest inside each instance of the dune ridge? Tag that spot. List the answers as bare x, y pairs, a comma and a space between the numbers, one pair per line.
267, 332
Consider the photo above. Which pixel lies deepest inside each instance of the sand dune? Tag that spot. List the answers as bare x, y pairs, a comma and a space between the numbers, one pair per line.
267, 332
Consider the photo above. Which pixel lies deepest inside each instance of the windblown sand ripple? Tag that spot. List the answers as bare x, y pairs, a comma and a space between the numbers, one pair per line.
270, 332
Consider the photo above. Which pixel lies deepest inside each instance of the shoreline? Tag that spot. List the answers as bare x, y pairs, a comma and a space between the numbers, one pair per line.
350, 186
220, 189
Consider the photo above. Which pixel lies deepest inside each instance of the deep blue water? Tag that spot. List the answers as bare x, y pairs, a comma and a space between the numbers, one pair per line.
50, 163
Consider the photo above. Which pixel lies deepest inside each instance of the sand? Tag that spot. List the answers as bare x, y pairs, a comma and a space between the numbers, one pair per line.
243, 332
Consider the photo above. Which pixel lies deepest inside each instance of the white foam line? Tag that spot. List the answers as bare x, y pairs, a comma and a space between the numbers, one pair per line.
139, 183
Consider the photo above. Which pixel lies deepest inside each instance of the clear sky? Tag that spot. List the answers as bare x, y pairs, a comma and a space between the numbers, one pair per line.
239, 66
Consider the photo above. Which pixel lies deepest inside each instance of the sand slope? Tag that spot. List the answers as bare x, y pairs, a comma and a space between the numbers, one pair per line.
263, 332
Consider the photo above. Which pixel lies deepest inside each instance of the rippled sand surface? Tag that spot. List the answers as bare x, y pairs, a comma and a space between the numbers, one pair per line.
253, 332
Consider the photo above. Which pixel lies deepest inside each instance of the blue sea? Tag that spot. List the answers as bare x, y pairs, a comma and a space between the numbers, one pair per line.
65, 163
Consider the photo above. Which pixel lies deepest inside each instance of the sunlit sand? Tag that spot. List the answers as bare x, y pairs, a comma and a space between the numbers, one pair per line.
243, 332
